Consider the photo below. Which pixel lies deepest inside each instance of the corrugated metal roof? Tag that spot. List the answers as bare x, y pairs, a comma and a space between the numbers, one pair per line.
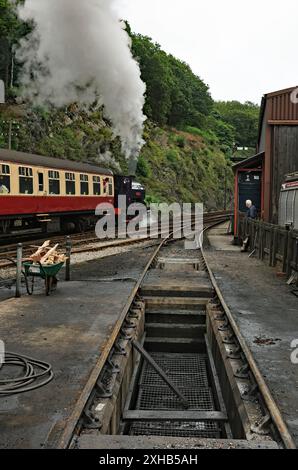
50, 162
283, 108
279, 106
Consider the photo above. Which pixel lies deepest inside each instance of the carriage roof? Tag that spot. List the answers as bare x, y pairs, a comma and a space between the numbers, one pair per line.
11, 156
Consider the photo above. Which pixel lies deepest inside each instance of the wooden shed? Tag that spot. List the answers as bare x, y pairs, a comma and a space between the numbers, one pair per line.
278, 139
277, 153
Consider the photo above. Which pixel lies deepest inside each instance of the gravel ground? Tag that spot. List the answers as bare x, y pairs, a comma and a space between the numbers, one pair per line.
7, 275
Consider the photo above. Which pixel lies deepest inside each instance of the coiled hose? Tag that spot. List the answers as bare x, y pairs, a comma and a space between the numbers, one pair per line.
36, 374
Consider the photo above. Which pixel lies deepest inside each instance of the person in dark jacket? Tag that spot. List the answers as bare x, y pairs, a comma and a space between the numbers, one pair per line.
251, 212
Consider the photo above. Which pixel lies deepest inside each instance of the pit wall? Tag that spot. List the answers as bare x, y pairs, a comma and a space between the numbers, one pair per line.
108, 411
244, 403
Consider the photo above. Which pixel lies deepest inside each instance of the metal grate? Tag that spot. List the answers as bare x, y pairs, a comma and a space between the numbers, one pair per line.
187, 370
206, 430
189, 373
163, 398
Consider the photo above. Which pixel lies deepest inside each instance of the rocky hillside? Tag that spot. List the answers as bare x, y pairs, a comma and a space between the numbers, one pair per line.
174, 165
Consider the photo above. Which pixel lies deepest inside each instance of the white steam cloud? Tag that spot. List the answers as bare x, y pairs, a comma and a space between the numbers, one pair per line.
80, 52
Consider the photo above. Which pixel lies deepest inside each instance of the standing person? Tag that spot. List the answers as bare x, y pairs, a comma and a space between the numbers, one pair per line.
251, 212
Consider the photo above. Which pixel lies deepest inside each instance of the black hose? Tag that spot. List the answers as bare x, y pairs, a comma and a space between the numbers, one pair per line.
36, 374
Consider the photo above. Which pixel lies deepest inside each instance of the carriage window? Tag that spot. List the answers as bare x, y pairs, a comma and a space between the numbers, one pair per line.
25, 180
96, 186
110, 187
54, 182
84, 179
70, 179
4, 179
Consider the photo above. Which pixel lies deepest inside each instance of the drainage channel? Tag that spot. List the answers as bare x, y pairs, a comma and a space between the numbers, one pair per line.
176, 293
177, 375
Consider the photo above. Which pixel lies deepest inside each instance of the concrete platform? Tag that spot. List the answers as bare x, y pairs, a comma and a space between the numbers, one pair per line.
267, 314
69, 330
155, 442
220, 240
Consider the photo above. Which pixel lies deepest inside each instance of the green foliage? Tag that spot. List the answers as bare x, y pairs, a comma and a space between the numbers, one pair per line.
175, 95
207, 134
243, 118
12, 29
180, 141
10, 25
143, 168
172, 155
152, 200
194, 173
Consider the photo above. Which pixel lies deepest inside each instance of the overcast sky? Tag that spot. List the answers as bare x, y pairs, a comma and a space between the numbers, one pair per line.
241, 49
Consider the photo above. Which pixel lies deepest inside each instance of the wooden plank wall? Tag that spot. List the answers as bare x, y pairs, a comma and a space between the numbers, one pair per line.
284, 161
272, 243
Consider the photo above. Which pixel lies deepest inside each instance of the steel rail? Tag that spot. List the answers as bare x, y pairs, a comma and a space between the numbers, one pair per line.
72, 422
88, 242
273, 409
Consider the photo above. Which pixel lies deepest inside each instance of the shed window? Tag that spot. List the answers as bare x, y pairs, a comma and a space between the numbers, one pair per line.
70, 179
54, 182
25, 180
96, 185
4, 179
84, 180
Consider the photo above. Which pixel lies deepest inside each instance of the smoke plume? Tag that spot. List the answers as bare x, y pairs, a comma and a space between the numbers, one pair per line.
80, 52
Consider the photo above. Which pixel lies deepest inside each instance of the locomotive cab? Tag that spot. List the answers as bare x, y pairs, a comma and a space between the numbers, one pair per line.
126, 186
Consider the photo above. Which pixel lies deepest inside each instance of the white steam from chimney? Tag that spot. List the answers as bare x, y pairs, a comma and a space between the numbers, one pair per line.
80, 52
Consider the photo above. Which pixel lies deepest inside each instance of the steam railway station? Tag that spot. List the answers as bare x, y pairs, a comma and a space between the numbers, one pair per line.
147, 343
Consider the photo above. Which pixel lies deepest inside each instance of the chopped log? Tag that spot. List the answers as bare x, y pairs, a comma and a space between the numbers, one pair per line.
49, 254
41, 251
46, 244
46, 255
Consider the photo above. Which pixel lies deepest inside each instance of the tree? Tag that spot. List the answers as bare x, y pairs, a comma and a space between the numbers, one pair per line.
12, 29
175, 95
157, 76
243, 117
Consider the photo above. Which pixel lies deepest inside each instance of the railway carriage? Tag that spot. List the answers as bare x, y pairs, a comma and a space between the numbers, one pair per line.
48, 194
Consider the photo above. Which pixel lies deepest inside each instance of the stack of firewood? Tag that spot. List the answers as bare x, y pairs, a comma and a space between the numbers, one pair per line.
46, 255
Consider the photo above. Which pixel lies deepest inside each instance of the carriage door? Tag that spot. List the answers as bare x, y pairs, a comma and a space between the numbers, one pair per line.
40, 183
41, 191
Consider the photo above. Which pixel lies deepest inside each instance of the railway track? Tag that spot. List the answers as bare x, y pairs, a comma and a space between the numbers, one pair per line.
175, 366
82, 242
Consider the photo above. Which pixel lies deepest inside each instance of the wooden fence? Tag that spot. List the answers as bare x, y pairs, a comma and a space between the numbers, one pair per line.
275, 244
